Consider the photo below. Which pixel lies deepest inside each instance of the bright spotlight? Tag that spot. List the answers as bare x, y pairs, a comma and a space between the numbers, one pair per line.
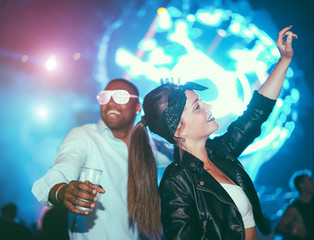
42, 112
51, 63
161, 10
24, 58
76, 56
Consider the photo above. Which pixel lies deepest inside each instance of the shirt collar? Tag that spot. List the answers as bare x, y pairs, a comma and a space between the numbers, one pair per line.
103, 128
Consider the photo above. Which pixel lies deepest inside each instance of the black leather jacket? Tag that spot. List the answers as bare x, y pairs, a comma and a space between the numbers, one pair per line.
193, 204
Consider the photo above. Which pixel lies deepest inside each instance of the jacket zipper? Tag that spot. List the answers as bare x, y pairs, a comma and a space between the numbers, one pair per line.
229, 203
204, 226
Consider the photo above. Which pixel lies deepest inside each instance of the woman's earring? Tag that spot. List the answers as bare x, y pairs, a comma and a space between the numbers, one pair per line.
184, 138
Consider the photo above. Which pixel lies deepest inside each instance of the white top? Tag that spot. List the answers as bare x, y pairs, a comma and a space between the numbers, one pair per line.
242, 202
94, 146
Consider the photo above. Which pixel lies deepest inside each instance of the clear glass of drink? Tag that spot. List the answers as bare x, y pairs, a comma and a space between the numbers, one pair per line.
90, 176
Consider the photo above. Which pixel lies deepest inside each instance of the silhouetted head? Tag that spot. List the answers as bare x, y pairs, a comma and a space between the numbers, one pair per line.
9, 212
302, 181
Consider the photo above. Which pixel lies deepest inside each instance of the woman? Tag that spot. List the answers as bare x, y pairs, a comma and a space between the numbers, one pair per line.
205, 193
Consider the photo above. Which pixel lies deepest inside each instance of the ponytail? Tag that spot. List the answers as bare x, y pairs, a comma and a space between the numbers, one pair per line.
143, 196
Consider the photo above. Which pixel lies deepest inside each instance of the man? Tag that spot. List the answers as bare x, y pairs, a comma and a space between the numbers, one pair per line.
104, 146
298, 220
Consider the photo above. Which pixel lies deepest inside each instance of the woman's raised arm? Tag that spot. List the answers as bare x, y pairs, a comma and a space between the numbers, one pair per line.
272, 87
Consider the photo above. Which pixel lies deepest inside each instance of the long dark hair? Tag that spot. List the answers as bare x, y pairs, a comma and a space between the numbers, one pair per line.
143, 196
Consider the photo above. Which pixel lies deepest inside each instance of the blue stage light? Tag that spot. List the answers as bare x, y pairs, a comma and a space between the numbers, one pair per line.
227, 53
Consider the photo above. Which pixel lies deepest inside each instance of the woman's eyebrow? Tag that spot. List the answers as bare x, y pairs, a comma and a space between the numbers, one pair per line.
196, 100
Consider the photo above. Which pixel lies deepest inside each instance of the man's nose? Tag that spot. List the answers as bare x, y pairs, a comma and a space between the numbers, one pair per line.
111, 101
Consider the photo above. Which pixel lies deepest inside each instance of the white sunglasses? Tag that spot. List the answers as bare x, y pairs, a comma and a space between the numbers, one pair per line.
119, 96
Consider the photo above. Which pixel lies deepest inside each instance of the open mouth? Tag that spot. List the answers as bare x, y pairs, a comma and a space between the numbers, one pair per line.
211, 118
113, 112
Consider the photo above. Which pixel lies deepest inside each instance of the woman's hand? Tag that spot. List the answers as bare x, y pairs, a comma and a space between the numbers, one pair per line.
285, 47
272, 87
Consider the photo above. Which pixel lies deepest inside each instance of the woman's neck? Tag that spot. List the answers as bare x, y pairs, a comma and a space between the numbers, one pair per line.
197, 149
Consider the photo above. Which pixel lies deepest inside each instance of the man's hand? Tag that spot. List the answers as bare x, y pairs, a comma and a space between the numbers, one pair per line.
69, 195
